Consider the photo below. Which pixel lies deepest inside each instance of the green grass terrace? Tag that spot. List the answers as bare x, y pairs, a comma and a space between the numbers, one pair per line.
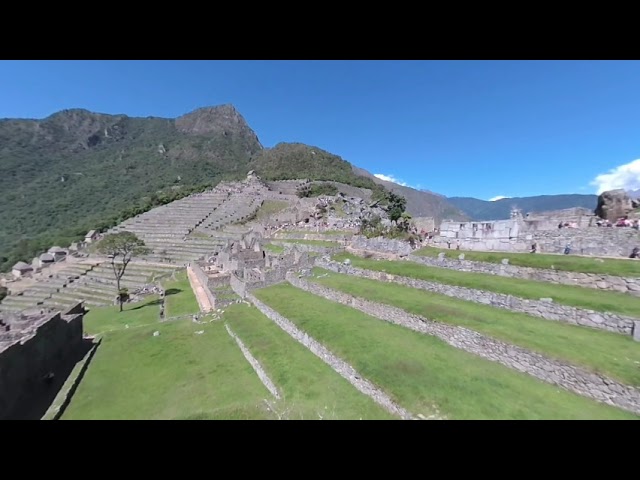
616, 356
309, 387
422, 373
196, 371
329, 233
569, 263
316, 243
581, 297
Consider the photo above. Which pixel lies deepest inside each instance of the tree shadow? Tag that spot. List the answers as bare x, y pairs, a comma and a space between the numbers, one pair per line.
148, 304
172, 291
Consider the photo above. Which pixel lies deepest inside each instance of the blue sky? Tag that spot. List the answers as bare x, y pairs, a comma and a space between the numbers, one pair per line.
459, 128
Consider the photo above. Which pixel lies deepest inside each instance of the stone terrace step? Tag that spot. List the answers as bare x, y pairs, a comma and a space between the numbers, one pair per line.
75, 298
98, 293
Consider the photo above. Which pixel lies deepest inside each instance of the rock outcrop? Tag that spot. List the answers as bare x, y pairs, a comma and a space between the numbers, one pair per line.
613, 204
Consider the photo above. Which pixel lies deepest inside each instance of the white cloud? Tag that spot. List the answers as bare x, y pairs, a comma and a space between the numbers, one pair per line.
625, 176
390, 178
498, 197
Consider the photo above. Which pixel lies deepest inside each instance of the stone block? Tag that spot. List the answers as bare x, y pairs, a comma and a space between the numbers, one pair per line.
636, 330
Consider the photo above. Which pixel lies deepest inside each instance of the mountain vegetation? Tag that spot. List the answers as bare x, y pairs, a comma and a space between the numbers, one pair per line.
477, 209
76, 170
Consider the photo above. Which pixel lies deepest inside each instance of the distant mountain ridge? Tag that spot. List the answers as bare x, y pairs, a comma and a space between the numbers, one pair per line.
420, 203
478, 209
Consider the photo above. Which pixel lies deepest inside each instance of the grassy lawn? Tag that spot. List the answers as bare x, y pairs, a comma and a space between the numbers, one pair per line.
307, 384
270, 247
179, 297
103, 319
317, 243
582, 297
423, 373
611, 354
570, 263
197, 234
328, 233
270, 207
176, 375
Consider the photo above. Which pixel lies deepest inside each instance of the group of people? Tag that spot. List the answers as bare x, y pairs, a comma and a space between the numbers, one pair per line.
621, 222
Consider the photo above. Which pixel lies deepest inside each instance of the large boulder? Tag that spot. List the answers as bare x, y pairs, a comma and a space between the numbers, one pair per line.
613, 205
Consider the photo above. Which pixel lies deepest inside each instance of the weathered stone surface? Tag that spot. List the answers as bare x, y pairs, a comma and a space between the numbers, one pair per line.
574, 379
636, 331
613, 204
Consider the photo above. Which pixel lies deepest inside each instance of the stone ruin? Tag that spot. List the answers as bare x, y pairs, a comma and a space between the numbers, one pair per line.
245, 261
37, 352
550, 231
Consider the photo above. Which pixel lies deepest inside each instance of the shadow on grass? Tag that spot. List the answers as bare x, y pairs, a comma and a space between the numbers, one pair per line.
153, 303
172, 291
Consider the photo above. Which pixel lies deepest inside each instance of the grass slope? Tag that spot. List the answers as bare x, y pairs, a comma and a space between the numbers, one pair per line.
176, 375
105, 319
183, 304
309, 386
568, 263
316, 243
422, 372
616, 356
599, 300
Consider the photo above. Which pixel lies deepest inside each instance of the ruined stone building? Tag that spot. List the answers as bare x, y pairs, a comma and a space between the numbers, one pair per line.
37, 352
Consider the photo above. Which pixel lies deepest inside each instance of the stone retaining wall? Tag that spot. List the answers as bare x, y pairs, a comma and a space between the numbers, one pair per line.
571, 378
303, 247
538, 308
629, 285
589, 280
340, 366
381, 244
262, 375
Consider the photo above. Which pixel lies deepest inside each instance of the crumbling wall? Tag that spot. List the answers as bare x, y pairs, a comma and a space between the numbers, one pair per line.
27, 357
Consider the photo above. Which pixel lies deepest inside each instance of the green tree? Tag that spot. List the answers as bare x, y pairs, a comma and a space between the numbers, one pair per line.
123, 246
396, 206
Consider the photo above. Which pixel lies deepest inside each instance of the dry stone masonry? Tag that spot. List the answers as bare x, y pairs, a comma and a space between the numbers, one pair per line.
518, 233
398, 249
33, 350
587, 280
340, 366
262, 375
569, 377
539, 308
